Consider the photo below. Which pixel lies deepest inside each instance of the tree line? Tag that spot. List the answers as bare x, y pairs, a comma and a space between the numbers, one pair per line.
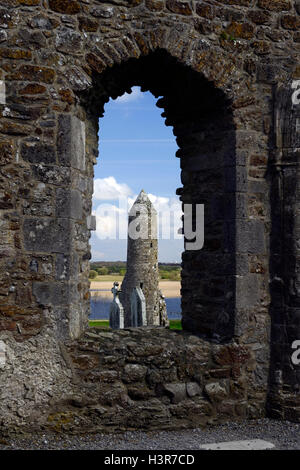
167, 271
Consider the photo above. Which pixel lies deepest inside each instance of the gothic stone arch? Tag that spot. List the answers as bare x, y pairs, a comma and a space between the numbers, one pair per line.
61, 61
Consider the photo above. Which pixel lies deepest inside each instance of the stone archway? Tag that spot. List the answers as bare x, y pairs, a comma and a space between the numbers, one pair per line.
71, 57
195, 109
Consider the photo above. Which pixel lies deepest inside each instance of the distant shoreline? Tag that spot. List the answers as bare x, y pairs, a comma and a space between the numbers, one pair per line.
168, 288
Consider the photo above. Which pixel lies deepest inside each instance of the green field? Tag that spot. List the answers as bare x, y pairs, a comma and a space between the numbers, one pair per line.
173, 276
99, 323
108, 277
110, 271
174, 324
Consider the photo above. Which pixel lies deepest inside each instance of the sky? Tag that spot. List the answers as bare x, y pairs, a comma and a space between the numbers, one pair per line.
136, 151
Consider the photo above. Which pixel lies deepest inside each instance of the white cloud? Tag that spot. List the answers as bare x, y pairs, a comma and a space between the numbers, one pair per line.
135, 95
160, 203
96, 254
112, 219
111, 222
108, 189
169, 213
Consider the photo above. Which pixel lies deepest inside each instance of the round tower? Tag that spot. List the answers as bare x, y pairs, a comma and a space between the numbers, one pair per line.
142, 260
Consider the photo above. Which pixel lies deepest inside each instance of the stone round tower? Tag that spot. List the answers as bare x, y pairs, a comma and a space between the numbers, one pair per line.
142, 262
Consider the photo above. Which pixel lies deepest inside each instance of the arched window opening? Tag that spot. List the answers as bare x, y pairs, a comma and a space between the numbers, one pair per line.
201, 118
136, 150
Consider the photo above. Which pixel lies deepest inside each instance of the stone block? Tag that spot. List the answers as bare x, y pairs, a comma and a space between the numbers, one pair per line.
69, 203
58, 176
155, 5
47, 293
250, 237
192, 389
77, 78
248, 291
38, 153
34, 73
7, 151
70, 7
69, 41
71, 142
62, 267
42, 22
159, 376
103, 11
140, 392
215, 391
92, 222
134, 373
181, 8
47, 235
176, 391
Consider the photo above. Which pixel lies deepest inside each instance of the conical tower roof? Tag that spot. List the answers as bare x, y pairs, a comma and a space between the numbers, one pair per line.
143, 198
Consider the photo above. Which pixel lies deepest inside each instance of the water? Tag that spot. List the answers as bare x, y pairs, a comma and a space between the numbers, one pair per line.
100, 307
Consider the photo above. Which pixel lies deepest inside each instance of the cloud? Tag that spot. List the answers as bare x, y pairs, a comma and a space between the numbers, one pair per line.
111, 222
112, 219
108, 189
169, 212
160, 203
135, 95
96, 254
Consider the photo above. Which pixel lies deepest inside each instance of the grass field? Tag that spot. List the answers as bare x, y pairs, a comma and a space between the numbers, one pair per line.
119, 278
99, 323
108, 277
174, 324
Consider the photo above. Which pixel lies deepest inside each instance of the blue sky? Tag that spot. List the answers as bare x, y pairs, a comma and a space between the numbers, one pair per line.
136, 151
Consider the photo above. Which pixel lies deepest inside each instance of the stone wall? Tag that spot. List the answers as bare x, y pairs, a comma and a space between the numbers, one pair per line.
225, 71
153, 378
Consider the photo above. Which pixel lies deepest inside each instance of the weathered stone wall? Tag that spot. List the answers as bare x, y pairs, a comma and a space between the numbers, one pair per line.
152, 378
225, 70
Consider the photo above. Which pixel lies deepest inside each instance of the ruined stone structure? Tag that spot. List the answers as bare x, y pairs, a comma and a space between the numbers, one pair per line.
138, 307
228, 73
142, 260
116, 314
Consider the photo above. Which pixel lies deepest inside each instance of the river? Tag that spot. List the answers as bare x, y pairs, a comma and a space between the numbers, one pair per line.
100, 308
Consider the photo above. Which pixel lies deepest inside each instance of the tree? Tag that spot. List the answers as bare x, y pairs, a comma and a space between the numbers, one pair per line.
103, 271
93, 274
